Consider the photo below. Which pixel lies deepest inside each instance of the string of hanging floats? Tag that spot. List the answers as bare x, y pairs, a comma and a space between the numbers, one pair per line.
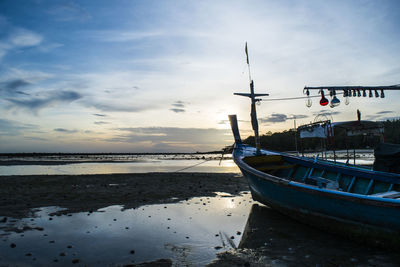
347, 92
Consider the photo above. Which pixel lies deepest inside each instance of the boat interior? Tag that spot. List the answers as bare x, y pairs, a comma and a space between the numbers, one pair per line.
328, 176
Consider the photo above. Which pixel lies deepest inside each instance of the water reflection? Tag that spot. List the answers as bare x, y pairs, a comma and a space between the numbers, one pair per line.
127, 167
277, 239
189, 233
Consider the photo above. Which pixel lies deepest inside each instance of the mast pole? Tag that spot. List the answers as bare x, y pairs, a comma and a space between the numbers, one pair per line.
253, 114
254, 100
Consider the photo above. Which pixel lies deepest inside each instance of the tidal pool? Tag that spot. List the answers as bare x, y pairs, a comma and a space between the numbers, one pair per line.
189, 233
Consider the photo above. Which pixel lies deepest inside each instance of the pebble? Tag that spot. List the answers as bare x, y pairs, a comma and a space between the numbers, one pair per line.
74, 261
132, 251
12, 245
62, 254
28, 254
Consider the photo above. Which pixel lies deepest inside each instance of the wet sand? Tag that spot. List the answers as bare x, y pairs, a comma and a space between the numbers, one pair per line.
269, 238
76, 193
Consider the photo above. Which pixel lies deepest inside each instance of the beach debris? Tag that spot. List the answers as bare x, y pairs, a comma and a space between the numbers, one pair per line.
238, 233
217, 247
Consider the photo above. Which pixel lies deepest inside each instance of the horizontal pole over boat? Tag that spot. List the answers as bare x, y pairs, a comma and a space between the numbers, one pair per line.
250, 95
390, 87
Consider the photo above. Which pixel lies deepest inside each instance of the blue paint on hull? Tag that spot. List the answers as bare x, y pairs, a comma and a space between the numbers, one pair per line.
320, 203
342, 211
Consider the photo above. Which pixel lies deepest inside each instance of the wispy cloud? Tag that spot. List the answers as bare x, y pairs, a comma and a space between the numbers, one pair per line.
12, 87
101, 122
13, 128
24, 38
177, 110
50, 98
115, 107
19, 38
274, 118
178, 106
99, 115
172, 134
68, 11
66, 131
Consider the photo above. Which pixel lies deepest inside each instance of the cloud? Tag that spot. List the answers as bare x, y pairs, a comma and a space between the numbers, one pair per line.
178, 106
297, 117
99, 115
25, 38
110, 107
177, 110
37, 103
66, 131
385, 112
157, 135
326, 112
13, 128
274, 118
69, 11
101, 122
11, 87
380, 115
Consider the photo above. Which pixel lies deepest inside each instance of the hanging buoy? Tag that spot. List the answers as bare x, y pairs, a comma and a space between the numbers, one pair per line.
323, 101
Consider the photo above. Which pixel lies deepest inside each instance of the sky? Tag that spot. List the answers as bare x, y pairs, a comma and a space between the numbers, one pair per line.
159, 76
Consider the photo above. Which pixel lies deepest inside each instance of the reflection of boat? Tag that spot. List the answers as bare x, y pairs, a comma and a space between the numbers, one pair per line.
270, 237
337, 197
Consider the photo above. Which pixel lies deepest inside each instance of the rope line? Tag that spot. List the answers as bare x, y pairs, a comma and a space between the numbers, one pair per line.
197, 164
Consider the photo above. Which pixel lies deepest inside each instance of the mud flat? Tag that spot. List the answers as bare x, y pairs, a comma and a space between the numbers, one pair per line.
76, 193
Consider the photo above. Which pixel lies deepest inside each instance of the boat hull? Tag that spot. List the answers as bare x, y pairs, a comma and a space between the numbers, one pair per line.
359, 218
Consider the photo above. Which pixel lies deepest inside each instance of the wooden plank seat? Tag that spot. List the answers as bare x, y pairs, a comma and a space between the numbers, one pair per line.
275, 167
322, 182
388, 194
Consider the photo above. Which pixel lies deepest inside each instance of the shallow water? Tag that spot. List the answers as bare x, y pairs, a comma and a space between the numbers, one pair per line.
190, 233
126, 167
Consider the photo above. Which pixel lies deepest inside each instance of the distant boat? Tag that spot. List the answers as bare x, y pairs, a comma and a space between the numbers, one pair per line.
350, 200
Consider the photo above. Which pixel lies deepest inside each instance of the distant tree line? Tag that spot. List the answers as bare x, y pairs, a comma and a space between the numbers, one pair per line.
285, 141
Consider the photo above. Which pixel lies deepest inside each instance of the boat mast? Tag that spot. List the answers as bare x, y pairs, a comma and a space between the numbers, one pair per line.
254, 100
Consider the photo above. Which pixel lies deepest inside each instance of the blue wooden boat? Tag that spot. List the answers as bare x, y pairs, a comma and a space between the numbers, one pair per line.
350, 200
